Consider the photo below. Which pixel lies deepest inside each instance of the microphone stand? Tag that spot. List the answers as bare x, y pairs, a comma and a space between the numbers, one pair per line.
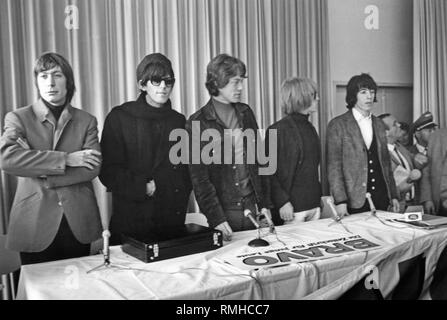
258, 242
337, 218
105, 252
373, 208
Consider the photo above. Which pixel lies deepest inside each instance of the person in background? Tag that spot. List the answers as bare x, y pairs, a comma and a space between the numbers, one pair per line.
225, 190
405, 175
422, 129
296, 186
434, 175
405, 138
54, 151
149, 193
357, 153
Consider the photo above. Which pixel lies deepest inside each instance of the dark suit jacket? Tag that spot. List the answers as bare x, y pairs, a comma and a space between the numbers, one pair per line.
434, 176
347, 160
39, 203
290, 158
132, 156
214, 184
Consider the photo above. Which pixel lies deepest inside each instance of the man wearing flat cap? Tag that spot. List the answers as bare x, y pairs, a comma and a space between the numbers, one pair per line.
434, 175
422, 129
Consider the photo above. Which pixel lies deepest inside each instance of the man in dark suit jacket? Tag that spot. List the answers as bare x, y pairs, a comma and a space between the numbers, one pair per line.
402, 164
434, 177
357, 153
295, 186
53, 149
226, 189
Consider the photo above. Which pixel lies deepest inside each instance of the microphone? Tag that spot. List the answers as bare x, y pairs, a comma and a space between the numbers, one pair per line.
248, 214
415, 174
105, 249
371, 204
269, 220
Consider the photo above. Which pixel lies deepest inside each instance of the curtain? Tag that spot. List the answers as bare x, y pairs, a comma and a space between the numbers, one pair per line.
430, 59
276, 39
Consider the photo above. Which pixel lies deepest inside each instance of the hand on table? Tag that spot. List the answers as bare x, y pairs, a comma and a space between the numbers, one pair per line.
342, 210
286, 212
227, 232
429, 207
395, 205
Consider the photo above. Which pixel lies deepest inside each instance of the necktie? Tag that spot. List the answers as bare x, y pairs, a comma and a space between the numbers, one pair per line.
401, 160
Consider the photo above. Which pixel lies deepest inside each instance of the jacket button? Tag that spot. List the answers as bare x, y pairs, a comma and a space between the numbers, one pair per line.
239, 204
174, 167
363, 184
60, 203
234, 167
236, 184
176, 190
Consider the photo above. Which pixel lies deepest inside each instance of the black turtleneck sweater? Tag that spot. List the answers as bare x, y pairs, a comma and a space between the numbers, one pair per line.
306, 188
55, 110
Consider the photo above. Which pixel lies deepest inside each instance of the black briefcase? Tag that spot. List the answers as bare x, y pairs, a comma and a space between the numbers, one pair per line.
171, 243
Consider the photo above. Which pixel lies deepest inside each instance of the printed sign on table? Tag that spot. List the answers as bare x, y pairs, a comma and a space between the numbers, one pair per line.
297, 252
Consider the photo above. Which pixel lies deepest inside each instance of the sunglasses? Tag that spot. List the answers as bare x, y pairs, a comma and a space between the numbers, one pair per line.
156, 81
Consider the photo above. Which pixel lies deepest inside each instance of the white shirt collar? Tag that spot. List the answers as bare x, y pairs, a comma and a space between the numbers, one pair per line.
359, 116
391, 147
420, 148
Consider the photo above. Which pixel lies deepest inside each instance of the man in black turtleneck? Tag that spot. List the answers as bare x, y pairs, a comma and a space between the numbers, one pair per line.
223, 191
53, 148
149, 193
295, 186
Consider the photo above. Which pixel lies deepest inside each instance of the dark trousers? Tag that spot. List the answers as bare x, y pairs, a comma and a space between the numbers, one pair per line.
64, 246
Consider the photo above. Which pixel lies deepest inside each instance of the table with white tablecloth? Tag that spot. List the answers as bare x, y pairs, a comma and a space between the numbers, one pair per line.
212, 275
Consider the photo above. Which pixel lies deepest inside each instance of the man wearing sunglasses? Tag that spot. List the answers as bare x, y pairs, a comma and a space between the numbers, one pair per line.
149, 193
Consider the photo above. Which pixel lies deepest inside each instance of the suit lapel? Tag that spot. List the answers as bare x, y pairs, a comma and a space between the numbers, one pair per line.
65, 118
354, 127
376, 132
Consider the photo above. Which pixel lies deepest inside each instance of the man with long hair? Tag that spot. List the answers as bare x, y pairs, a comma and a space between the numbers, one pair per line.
54, 151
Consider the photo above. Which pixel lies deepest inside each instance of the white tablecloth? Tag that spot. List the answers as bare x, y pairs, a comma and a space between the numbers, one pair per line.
206, 276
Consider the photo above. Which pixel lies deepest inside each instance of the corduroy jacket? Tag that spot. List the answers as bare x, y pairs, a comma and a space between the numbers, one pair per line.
347, 160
